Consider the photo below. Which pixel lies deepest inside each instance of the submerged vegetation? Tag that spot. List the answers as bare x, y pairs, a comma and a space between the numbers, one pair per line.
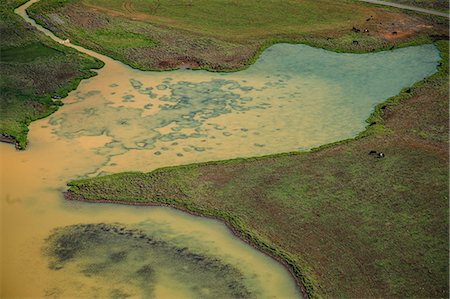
125, 261
225, 35
35, 73
346, 222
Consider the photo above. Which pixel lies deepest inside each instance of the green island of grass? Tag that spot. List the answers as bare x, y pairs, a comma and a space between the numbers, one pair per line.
345, 222
227, 35
35, 73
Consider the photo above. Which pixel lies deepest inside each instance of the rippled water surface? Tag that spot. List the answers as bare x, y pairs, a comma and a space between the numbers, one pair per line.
293, 98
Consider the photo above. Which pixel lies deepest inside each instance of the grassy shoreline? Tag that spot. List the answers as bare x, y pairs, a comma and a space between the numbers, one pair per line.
321, 43
305, 286
96, 189
28, 60
20, 140
342, 39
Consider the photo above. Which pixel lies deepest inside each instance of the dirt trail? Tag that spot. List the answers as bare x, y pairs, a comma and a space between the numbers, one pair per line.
402, 6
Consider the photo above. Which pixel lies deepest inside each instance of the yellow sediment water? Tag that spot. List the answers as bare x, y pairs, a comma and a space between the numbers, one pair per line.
129, 120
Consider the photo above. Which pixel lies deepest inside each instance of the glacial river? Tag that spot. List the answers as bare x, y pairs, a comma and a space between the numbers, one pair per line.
293, 98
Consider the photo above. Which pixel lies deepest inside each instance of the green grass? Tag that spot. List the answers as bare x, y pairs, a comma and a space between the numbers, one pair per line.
233, 20
346, 223
120, 39
28, 53
32, 70
225, 35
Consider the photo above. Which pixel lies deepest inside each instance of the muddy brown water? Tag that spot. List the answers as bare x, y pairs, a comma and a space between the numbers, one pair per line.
293, 98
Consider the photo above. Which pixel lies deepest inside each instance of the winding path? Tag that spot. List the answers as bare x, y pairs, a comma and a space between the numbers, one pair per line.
403, 6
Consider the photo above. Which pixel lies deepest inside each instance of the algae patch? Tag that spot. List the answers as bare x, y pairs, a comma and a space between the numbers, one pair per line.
94, 257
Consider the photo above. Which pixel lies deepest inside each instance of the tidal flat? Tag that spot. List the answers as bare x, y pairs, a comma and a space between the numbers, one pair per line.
296, 96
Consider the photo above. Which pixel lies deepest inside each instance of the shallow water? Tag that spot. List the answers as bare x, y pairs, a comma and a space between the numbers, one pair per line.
293, 98
110, 253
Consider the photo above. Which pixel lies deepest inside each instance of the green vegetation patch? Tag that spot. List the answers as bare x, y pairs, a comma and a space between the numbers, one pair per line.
236, 19
121, 39
348, 222
28, 53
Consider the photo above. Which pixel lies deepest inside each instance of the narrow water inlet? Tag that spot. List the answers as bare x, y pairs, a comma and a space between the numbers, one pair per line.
293, 98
